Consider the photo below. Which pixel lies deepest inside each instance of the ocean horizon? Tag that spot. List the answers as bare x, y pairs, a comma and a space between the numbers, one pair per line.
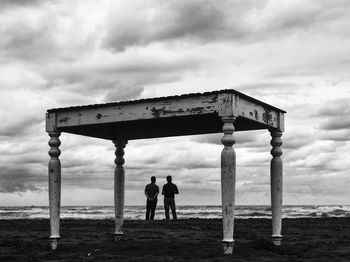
137, 212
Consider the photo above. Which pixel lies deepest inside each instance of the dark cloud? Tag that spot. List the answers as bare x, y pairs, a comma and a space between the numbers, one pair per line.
295, 71
121, 93
208, 21
245, 139
120, 76
334, 108
340, 135
14, 187
24, 124
209, 139
31, 35
335, 115
27, 42
19, 180
335, 123
19, 3
197, 20
33, 32
319, 187
268, 87
296, 139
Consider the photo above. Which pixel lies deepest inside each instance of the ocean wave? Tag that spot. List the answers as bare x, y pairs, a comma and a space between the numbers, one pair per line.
138, 212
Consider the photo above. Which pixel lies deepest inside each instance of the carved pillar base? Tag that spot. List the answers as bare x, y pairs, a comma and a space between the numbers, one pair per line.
228, 247
276, 240
54, 243
118, 236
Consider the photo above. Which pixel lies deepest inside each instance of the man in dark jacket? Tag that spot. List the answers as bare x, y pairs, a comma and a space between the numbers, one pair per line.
151, 192
169, 191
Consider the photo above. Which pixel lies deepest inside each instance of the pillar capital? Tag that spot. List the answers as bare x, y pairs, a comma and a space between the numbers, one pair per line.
119, 152
228, 119
276, 143
228, 128
120, 142
54, 143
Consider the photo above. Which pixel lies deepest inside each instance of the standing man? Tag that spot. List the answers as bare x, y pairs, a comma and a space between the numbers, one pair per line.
151, 192
169, 191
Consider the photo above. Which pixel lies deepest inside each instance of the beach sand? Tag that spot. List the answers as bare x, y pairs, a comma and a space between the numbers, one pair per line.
307, 239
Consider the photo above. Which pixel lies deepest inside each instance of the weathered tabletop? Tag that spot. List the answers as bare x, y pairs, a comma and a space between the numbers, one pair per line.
166, 116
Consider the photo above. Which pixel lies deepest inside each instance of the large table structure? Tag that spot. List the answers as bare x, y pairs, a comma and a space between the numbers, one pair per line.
223, 111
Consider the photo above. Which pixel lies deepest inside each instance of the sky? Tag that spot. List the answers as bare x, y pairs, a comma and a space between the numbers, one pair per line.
294, 55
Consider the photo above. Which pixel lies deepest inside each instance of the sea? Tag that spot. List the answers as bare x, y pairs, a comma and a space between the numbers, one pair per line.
183, 212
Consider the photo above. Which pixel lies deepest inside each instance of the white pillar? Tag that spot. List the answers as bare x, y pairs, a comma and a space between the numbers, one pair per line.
119, 187
228, 183
54, 188
276, 186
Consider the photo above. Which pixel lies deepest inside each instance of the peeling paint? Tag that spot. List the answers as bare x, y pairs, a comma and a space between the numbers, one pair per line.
256, 115
267, 116
63, 120
157, 112
195, 110
210, 100
99, 116
162, 111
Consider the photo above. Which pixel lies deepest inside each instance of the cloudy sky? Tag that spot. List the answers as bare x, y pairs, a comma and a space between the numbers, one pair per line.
294, 55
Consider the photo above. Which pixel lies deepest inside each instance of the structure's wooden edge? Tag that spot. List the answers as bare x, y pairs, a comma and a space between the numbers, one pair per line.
51, 122
186, 106
221, 103
281, 121
236, 105
258, 112
120, 103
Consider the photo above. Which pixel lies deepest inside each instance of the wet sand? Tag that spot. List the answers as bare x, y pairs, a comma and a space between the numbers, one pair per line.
309, 239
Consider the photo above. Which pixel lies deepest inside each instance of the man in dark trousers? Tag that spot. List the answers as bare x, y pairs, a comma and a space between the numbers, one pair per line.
169, 191
151, 192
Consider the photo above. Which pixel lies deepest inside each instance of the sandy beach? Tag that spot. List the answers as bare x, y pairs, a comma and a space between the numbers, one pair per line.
305, 239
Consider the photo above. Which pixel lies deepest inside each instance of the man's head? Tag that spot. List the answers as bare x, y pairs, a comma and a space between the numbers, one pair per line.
153, 179
168, 178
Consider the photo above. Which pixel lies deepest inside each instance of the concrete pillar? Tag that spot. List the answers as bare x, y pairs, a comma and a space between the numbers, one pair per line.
119, 187
276, 186
228, 183
54, 188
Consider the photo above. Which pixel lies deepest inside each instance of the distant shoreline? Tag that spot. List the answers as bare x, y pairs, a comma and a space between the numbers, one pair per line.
142, 205
189, 211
